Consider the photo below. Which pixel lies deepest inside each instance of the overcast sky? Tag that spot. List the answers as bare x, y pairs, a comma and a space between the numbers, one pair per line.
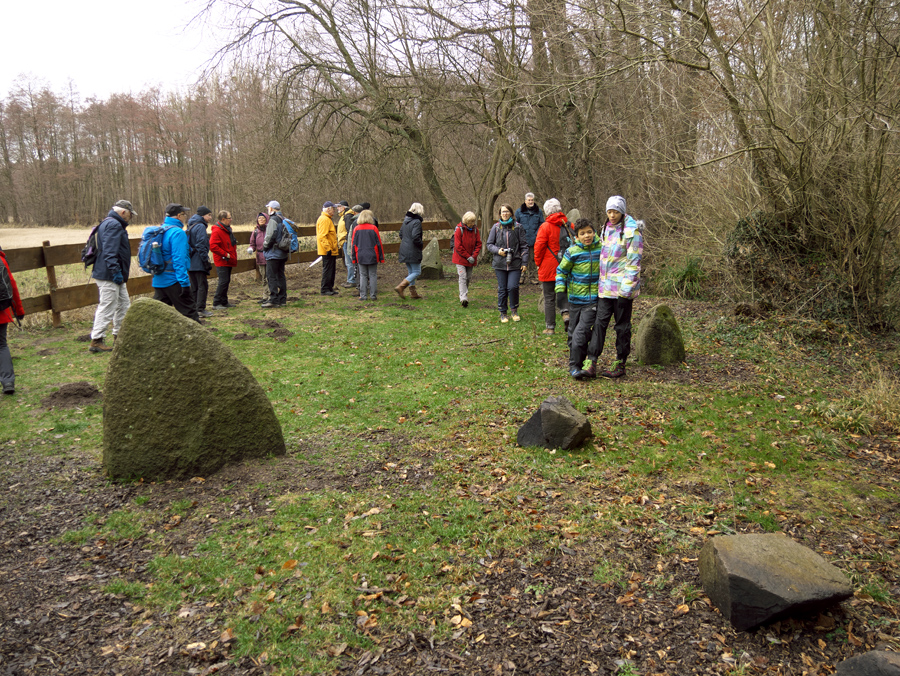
104, 46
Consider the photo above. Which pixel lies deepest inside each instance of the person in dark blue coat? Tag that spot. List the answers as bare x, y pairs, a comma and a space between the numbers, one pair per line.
411, 245
530, 217
173, 285
110, 274
198, 241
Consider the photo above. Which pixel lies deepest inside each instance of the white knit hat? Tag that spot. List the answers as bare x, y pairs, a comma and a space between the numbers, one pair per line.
616, 202
552, 206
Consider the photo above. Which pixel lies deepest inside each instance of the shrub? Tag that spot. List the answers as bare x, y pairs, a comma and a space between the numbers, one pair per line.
683, 279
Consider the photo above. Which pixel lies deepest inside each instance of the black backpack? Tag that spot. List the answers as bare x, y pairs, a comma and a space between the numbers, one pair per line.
90, 250
6, 288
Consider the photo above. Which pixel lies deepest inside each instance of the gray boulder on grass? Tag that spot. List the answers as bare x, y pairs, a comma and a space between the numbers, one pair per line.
178, 403
658, 338
556, 424
872, 663
431, 261
753, 579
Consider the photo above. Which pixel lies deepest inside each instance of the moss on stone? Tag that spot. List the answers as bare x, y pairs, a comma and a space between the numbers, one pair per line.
178, 403
658, 338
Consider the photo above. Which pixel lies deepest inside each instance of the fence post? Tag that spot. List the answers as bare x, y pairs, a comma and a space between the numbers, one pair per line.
56, 317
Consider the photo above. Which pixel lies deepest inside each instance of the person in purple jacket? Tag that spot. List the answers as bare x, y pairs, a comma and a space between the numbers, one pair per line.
257, 240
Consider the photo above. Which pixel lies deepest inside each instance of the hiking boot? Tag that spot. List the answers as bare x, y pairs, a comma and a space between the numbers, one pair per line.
348, 285
516, 317
504, 319
413, 293
231, 304
549, 331
401, 288
9, 388
577, 374
616, 371
97, 345
464, 303
269, 304
590, 371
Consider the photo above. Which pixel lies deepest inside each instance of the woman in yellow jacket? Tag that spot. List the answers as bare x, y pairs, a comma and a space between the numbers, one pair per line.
327, 247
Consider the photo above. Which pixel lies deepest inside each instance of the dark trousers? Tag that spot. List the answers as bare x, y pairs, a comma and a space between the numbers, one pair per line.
277, 281
7, 375
552, 302
200, 288
620, 308
329, 266
508, 289
180, 298
223, 280
581, 324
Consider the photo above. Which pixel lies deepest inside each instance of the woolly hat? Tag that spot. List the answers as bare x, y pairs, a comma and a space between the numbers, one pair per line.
365, 205
616, 202
202, 211
552, 206
173, 209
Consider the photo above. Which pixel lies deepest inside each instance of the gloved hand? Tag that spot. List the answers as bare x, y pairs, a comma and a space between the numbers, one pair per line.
19, 318
118, 278
249, 249
471, 260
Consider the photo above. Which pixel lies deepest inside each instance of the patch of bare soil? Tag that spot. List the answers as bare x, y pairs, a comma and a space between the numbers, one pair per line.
72, 395
243, 336
262, 323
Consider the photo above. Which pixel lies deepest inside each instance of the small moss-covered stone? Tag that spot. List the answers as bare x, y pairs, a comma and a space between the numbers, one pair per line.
178, 403
658, 338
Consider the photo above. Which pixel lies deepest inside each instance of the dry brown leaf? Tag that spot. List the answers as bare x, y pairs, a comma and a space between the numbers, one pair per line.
290, 564
682, 609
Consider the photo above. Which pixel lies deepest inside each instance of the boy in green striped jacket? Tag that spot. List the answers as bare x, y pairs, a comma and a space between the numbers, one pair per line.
578, 274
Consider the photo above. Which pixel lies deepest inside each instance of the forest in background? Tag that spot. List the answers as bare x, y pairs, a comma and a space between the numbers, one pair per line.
758, 140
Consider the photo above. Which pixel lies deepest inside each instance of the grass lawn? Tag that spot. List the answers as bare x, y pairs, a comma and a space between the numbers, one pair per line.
405, 521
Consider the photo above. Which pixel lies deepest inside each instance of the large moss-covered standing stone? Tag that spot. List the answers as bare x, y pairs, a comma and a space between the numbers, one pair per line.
658, 338
178, 403
431, 261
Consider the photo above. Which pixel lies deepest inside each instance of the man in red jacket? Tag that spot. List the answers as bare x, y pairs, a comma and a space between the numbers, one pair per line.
224, 249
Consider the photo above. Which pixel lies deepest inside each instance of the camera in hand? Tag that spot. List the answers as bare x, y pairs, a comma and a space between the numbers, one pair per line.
509, 256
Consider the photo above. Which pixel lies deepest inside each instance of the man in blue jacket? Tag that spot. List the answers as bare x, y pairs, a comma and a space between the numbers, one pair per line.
198, 241
530, 217
111, 273
173, 285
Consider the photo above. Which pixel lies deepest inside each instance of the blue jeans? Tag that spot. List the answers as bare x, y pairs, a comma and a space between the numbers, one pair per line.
413, 270
508, 289
348, 261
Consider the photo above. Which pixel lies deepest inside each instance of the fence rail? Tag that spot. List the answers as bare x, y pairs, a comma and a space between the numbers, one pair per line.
62, 299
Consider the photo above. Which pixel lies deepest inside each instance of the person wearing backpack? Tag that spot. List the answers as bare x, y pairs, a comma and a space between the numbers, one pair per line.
111, 270
10, 310
553, 238
198, 240
327, 247
276, 258
173, 285
466, 247
345, 226
224, 249
530, 216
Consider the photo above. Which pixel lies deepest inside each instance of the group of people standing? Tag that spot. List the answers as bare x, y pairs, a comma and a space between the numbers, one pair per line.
589, 276
184, 245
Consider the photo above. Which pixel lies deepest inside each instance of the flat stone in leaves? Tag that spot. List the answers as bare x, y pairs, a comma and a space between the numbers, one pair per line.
178, 403
754, 579
872, 663
658, 338
431, 261
556, 424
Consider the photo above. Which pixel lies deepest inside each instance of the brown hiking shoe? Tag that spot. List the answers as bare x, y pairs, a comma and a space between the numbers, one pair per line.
414, 294
401, 288
97, 345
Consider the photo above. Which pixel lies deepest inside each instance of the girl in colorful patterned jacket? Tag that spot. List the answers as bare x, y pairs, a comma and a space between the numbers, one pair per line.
620, 283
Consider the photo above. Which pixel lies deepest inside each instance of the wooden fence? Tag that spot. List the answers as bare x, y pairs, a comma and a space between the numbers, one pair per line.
60, 300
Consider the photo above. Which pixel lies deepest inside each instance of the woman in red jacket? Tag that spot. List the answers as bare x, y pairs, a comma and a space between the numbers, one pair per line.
553, 238
466, 247
10, 310
224, 249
